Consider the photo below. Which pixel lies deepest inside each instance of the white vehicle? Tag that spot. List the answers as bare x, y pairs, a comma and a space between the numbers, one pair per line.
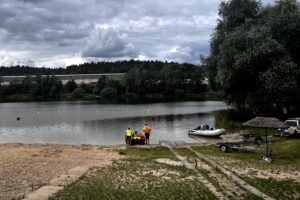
294, 126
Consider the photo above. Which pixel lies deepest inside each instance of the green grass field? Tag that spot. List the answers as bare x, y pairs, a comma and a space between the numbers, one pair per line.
138, 177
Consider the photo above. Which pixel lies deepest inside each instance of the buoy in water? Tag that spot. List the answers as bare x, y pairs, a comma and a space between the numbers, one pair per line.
18, 118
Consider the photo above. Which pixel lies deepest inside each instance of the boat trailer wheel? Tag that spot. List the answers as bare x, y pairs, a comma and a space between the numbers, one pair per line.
258, 141
223, 148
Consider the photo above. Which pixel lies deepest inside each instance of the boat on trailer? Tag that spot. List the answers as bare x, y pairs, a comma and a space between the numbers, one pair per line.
204, 130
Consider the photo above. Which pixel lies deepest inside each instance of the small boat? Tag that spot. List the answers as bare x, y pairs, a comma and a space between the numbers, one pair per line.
204, 130
137, 138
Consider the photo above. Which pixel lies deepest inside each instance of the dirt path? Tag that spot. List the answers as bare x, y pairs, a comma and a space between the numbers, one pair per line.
201, 178
233, 178
220, 181
24, 168
229, 188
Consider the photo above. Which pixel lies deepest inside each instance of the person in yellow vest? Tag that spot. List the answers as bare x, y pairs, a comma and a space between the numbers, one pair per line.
147, 130
128, 135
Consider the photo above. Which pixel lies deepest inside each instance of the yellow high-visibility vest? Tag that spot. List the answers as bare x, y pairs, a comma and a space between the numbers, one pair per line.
128, 133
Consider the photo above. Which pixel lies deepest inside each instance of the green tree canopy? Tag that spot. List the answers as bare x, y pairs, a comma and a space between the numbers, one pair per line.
254, 55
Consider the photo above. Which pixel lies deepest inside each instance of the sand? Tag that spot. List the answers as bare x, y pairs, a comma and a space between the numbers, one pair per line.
24, 168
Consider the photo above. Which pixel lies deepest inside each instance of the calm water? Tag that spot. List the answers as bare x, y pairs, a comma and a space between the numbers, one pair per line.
89, 123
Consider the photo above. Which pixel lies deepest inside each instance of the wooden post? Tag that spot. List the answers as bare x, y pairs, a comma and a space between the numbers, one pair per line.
267, 143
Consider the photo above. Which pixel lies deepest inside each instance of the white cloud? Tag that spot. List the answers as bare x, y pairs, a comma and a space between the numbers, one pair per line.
11, 61
181, 54
108, 43
50, 33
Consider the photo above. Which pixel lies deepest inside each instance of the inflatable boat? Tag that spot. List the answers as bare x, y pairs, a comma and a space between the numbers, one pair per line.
204, 130
135, 140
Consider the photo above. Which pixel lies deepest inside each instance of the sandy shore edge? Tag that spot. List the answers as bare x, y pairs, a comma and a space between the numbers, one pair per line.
26, 167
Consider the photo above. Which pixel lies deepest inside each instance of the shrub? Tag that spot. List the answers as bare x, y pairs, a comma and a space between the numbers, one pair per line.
109, 92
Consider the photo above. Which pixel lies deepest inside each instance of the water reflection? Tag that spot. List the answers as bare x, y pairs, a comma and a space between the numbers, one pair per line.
77, 123
167, 127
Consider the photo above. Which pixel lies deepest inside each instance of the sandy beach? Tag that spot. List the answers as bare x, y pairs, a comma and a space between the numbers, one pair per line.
25, 167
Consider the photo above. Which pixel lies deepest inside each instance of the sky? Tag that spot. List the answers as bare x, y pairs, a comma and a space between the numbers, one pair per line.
58, 33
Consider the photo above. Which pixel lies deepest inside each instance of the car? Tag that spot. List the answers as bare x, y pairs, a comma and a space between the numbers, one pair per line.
294, 127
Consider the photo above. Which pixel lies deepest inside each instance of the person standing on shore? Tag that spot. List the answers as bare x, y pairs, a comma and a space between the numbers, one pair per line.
147, 130
128, 134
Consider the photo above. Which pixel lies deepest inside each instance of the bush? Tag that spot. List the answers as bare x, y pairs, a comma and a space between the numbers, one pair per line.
109, 92
179, 93
78, 93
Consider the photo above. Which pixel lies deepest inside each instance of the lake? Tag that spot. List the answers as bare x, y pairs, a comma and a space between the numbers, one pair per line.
102, 124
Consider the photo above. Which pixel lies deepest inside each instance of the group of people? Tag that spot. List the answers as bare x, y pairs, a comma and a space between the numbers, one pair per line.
130, 135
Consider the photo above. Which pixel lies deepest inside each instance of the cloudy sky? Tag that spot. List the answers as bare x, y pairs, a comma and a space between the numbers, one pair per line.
57, 33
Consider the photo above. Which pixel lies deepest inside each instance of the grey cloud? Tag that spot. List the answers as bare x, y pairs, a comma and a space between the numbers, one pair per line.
33, 1
50, 30
107, 43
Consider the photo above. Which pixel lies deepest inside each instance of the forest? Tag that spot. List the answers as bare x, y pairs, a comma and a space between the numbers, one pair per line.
143, 79
91, 68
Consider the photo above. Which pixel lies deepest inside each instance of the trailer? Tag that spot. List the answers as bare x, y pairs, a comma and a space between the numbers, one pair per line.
257, 139
225, 146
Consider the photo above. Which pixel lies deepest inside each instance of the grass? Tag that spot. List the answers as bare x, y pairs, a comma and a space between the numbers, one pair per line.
232, 120
147, 153
224, 119
286, 158
185, 152
138, 177
191, 157
284, 190
238, 156
285, 153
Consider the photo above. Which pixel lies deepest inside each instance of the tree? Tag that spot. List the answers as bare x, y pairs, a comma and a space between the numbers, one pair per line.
253, 57
236, 12
232, 14
284, 21
27, 85
38, 86
71, 85
56, 88
101, 83
0, 83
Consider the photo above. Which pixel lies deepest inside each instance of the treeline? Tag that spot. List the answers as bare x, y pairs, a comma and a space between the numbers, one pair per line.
153, 80
90, 68
254, 56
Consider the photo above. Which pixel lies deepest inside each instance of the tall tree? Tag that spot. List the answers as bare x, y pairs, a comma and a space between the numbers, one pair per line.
254, 54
